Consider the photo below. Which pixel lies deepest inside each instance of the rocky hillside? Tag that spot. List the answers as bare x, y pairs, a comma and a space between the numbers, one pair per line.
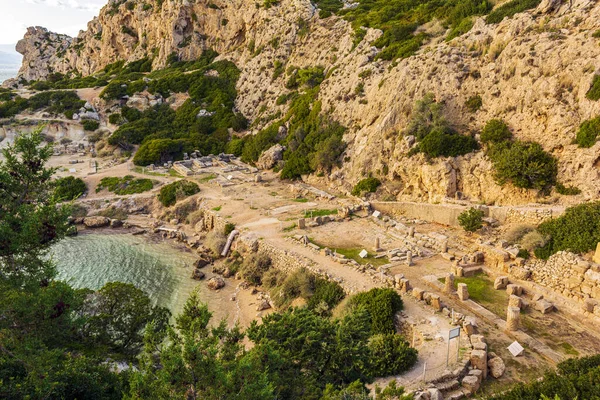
532, 70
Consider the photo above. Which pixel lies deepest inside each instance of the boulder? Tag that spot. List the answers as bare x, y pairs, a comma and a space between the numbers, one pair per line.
270, 157
216, 283
116, 223
263, 305
198, 275
435, 394
96, 222
203, 261
501, 282
543, 306
471, 384
496, 367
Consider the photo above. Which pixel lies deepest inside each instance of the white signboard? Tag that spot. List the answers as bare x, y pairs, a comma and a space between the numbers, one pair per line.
72, 170
363, 254
454, 333
516, 349
376, 214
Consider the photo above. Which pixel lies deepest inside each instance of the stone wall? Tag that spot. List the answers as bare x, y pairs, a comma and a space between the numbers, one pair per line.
447, 214
569, 275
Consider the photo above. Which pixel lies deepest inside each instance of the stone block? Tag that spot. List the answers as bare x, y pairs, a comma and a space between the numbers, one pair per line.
301, 223
479, 361
596, 257
514, 289
418, 293
501, 282
471, 384
477, 373
463, 292
543, 306
435, 302
514, 301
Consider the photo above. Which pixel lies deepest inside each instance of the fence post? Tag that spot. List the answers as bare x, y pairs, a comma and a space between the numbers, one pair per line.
424, 371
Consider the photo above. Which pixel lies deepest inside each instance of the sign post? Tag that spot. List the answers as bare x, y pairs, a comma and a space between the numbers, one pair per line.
452, 334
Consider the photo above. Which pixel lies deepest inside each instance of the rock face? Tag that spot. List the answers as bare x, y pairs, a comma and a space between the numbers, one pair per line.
96, 222
532, 70
271, 157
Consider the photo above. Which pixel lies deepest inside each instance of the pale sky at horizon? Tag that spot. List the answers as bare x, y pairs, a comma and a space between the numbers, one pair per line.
60, 16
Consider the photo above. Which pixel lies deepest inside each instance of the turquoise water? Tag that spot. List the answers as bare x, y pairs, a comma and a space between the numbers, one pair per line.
159, 269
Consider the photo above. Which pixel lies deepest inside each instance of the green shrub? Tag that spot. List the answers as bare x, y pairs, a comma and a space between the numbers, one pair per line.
523, 253
574, 379
509, 9
474, 103
577, 230
495, 131
382, 305
254, 267
367, 185
90, 125
326, 292
229, 227
308, 77
524, 164
594, 92
567, 190
126, 185
391, 355
446, 143
471, 220
173, 192
69, 188
588, 133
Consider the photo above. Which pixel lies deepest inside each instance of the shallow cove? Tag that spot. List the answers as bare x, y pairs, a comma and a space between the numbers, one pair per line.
159, 269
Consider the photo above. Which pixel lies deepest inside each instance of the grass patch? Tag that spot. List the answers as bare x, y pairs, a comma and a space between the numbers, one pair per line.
145, 171
319, 213
301, 200
353, 254
481, 291
217, 209
289, 228
126, 185
207, 178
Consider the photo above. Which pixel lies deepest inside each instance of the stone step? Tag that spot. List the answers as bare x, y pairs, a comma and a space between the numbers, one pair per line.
448, 386
455, 395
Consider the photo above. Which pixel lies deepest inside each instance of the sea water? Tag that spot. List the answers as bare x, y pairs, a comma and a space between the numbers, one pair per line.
8, 71
157, 268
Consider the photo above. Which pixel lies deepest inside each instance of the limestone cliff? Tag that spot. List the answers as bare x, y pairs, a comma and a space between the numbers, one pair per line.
532, 70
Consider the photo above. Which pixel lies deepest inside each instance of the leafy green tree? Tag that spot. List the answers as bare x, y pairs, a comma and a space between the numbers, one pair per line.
524, 164
69, 188
471, 220
117, 314
30, 221
367, 185
173, 192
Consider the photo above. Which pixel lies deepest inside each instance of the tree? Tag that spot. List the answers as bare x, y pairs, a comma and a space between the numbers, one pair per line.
30, 220
69, 188
471, 220
117, 315
391, 355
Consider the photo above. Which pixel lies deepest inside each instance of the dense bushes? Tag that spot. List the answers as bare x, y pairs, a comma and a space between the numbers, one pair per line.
399, 19
367, 185
447, 143
577, 230
90, 125
594, 91
495, 131
62, 102
524, 164
471, 220
69, 188
574, 379
173, 192
434, 135
382, 305
509, 9
126, 185
588, 133
391, 354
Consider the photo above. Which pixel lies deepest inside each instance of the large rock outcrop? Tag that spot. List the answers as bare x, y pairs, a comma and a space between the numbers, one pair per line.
532, 70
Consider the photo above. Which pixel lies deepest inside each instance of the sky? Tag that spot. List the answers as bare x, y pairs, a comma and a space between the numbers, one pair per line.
60, 16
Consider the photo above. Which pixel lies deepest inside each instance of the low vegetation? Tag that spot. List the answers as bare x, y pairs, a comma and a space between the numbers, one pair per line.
126, 185
495, 131
382, 305
588, 133
471, 220
173, 192
69, 188
594, 91
434, 136
474, 103
573, 379
510, 8
59, 102
367, 185
577, 230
